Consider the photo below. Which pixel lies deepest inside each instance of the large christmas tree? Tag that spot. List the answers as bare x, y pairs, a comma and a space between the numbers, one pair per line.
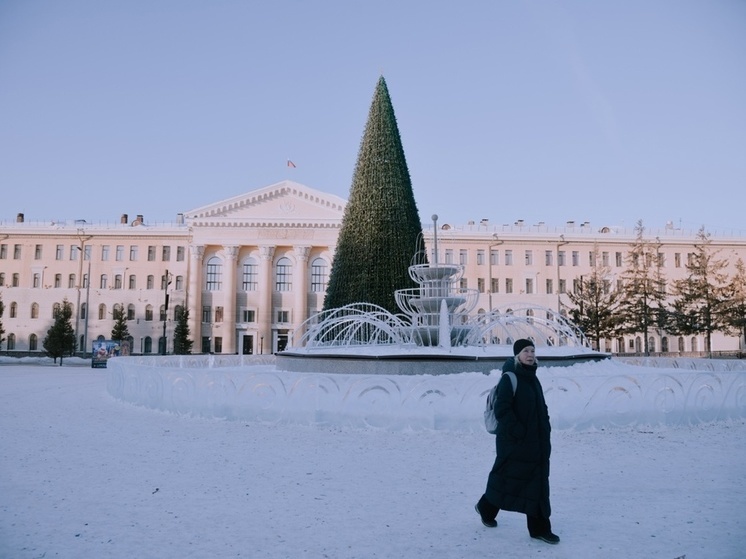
381, 233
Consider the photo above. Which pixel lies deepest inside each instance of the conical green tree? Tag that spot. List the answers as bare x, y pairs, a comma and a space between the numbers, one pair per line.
381, 233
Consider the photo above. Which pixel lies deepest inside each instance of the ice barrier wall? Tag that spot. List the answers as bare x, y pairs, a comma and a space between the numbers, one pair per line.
612, 393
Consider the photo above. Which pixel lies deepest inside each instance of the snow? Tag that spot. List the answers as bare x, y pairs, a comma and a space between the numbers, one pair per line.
85, 475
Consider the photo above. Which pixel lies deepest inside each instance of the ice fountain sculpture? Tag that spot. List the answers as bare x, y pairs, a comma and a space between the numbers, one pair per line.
435, 324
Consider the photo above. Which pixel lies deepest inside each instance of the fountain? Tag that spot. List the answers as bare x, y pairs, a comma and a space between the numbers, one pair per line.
434, 334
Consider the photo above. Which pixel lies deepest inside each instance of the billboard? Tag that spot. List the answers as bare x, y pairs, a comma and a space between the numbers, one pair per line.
103, 349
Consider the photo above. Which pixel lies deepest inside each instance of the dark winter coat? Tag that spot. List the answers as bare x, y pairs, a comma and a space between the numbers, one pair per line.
519, 480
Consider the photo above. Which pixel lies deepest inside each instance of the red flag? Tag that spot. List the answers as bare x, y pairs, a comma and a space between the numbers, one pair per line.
291, 164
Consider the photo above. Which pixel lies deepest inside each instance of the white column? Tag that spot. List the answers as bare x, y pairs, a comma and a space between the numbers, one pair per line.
229, 299
194, 296
266, 287
300, 286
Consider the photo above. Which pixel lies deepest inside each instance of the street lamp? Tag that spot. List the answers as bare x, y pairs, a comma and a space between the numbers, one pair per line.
81, 255
166, 283
495, 242
562, 242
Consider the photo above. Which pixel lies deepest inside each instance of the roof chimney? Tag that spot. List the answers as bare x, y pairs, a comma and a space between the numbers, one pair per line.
123, 219
19, 218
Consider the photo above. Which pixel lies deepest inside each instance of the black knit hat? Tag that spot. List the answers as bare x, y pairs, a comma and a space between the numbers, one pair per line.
520, 344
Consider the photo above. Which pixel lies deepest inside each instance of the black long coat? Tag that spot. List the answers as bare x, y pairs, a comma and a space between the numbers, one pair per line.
519, 480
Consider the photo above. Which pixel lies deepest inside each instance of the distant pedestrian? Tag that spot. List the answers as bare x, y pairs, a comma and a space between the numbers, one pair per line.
519, 480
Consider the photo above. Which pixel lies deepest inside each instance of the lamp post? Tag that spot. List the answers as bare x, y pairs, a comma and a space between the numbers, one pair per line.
81, 255
166, 283
562, 242
495, 242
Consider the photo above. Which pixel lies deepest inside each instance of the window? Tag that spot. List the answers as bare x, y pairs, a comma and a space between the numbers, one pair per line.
120, 253
494, 257
71, 281
180, 254
495, 287
283, 275
591, 258
550, 287
150, 282
165, 281
618, 259
85, 280
283, 316
560, 258
83, 311
449, 256
179, 285
58, 280
218, 314
151, 253
463, 283
73, 252
35, 310
87, 252
548, 258
248, 315
480, 285
104, 282
130, 312
133, 281
318, 275
178, 311
250, 275
2, 279
59, 252
162, 316
118, 281
606, 286
661, 260
16, 281
149, 313
562, 286
206, 313
214, 274
480, 257
577, 286
529, 286
604, 258
463, 257
32, 342
37, 252
575, 258
218, 344
147, 345
529, 257
16, 252
101, 311
13, 310
3, 252
11, 341
133, 253
166, 253
508, 285
508, 257
677, 259
104, 252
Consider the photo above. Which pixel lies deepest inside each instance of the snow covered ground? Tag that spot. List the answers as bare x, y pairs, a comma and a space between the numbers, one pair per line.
83, 475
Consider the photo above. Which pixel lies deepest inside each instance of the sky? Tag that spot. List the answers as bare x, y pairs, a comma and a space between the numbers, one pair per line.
608, 112
83, 475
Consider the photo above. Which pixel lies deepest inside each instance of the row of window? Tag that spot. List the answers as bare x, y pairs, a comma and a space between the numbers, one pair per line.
103, 283
561, 258
102, 311
74, 250
250, 275
243, 315
33, 342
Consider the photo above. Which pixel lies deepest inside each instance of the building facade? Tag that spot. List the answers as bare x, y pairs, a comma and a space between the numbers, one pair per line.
252, 268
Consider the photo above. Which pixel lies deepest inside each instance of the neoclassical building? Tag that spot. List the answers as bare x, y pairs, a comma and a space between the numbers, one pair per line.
252, 268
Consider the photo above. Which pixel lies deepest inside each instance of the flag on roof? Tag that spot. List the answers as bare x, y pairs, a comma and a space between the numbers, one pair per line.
291, 164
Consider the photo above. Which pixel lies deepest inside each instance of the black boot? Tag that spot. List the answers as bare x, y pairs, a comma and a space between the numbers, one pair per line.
541, 529
487, 512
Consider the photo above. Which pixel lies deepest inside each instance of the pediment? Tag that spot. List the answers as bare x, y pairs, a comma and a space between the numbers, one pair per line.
280, 204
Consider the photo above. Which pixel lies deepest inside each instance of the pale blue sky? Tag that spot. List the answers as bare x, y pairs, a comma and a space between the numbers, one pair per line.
600, 111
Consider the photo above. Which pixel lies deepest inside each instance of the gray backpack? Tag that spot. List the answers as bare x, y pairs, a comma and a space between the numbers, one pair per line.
490, 420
